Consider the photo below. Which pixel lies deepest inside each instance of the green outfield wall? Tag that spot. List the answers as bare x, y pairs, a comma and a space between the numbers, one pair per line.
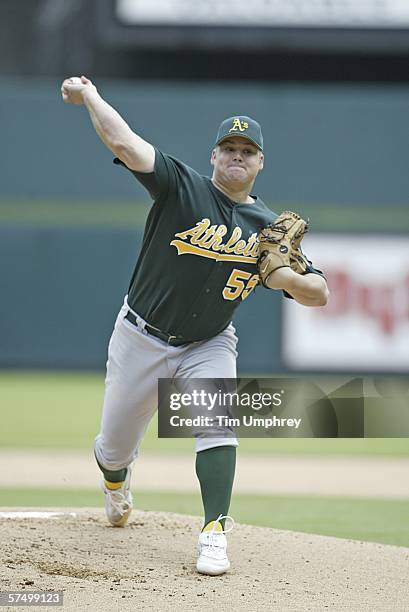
323, 144
71, 222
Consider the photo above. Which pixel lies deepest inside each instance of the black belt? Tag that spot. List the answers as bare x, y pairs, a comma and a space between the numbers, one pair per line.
171, 340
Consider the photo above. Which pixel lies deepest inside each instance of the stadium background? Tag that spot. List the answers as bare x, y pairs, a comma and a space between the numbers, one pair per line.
335, 122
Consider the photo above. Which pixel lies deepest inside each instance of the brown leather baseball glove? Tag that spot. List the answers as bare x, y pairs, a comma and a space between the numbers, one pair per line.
279, 245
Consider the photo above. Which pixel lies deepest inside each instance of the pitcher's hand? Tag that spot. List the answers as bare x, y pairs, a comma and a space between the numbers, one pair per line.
74, 89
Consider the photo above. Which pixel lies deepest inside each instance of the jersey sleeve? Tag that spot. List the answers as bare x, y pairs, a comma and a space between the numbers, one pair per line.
161, 181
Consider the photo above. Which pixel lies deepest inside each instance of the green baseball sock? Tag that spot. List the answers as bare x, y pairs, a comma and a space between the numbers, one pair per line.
215, 470
112, 475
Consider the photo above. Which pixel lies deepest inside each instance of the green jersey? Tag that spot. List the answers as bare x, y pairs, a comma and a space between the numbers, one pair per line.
199, 252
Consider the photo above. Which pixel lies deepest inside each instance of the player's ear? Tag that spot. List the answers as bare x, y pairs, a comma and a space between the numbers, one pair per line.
213, 157
261, 161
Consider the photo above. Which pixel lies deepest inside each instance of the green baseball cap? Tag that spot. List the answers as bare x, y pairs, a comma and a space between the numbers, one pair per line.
240, 125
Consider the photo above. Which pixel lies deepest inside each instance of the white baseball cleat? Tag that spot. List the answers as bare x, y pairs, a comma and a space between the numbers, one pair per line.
212, 547
119, 502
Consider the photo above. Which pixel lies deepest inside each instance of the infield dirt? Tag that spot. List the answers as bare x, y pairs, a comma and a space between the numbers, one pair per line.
150, 565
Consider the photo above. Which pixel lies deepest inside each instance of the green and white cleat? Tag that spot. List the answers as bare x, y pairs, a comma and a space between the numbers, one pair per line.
118, 500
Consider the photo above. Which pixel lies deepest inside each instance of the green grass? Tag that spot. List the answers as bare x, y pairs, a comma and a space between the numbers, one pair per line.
372, 520
126, 214
62, 410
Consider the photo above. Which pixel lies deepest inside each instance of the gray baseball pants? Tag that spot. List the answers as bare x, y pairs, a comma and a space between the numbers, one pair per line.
135, 362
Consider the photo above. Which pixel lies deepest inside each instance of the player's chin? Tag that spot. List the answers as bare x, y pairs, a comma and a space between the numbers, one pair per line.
237, 175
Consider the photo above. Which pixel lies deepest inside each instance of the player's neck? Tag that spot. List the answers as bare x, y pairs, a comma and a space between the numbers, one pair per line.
242, 196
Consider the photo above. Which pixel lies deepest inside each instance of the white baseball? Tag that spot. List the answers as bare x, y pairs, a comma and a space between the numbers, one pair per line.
76, 81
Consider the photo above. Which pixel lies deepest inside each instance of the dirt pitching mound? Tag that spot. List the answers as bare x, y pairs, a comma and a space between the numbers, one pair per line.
150, 565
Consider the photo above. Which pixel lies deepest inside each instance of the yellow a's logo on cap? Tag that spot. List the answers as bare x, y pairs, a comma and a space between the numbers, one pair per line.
239, 126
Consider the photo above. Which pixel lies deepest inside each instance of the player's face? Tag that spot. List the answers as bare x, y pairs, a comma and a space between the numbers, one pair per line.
237, 160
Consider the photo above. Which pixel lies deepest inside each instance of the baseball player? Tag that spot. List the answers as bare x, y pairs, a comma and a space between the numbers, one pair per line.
199, 260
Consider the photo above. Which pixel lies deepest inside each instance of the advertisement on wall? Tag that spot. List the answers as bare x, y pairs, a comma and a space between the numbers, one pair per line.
365, 325
296, 13
370, 25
